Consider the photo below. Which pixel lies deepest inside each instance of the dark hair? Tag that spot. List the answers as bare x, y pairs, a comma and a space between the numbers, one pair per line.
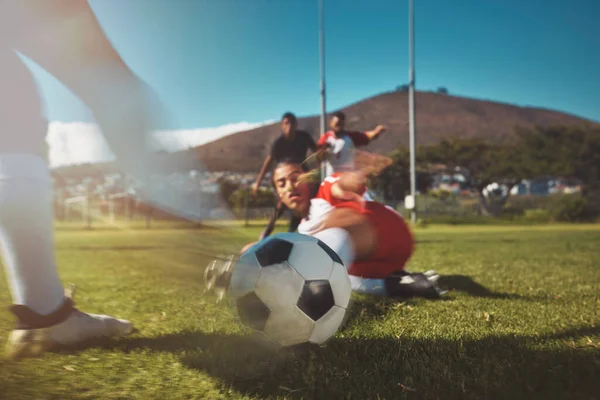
340, 115
290, 117
289, 161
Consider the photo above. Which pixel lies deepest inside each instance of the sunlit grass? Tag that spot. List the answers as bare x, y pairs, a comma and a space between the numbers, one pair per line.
522, 321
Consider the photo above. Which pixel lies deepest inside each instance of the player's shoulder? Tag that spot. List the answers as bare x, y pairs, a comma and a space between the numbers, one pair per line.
280, 138
327, 183
304, 136
327, 137
277, 142
303, 133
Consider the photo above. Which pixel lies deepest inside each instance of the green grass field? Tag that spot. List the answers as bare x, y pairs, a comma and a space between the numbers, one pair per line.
522, 322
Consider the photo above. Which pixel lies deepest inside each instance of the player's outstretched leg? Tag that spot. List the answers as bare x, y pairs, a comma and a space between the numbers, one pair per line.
44, 316
400, 284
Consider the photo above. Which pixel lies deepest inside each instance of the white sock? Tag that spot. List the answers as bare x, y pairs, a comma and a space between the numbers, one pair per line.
339, 241
374, 286
26, 232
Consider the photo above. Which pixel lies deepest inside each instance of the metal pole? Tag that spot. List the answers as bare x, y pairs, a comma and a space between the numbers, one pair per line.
246, 205
411, 106
322, 66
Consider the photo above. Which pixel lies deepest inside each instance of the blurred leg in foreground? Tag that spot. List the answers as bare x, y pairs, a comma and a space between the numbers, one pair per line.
63, 37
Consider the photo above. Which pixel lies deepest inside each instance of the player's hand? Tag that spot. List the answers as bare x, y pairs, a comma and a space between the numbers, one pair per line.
350, 187
254, 189
355, 182
379, 130
246, 247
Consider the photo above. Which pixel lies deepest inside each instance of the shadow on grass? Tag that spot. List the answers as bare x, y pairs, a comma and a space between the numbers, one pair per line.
467, 240
390, 368
466, 284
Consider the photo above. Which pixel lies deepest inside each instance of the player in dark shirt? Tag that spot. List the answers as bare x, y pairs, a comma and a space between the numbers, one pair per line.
294, 145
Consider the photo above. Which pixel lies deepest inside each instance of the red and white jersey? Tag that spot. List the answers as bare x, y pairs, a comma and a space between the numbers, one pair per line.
341, 150
324, 203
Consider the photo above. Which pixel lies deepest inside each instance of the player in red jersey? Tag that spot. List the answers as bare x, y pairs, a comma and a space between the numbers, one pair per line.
340, 143
371, 239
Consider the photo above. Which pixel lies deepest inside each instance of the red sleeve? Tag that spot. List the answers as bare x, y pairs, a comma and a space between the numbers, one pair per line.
323, 139
359, 138
326, 194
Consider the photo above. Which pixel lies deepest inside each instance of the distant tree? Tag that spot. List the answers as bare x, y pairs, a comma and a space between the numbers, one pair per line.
227, 188
442, 90
564, 151
568, 152
487, 163
393, 183
402, 88
263, 198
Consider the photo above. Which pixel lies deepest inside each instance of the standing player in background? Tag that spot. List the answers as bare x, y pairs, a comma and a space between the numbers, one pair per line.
63, 37
292, 144
340, 144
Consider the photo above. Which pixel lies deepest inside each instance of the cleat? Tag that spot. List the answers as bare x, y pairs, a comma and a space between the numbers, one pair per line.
429, 273
36, 334
217, 276
404, 284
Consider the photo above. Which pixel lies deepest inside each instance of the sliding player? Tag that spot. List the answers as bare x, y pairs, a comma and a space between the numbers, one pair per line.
369, 237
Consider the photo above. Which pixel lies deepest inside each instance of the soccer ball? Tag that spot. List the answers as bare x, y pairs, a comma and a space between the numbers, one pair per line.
291, 289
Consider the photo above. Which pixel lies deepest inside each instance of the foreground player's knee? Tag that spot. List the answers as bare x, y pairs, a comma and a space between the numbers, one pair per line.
359, 228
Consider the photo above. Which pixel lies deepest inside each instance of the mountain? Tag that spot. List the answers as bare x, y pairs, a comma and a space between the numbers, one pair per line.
438, 116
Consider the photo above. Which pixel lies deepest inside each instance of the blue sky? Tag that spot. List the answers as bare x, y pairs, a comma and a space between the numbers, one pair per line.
216, 62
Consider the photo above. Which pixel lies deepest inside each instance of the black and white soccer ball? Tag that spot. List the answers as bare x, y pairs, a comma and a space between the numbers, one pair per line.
291, 289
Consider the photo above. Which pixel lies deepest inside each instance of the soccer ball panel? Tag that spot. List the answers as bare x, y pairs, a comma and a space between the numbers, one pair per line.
340, 285
289, 327
334, 256
279, 286
316, 299
328, 325
245, 275
311, 261
253, 312
274, 251
294, 237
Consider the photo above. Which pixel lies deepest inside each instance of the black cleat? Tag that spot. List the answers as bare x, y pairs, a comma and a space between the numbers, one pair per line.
414, 284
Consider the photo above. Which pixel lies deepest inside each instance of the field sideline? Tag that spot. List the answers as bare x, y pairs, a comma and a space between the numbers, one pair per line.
522, 321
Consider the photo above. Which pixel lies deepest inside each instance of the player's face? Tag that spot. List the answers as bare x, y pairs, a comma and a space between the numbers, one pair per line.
336, 124
287, 126
296, 196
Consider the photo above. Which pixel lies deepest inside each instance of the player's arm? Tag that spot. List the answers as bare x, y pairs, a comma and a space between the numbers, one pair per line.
350, 186
271, 225
323, 146
262, 173
374, 134
364, 138
312, 145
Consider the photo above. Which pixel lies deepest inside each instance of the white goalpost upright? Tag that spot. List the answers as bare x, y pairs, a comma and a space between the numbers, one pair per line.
410, 201
323, 122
